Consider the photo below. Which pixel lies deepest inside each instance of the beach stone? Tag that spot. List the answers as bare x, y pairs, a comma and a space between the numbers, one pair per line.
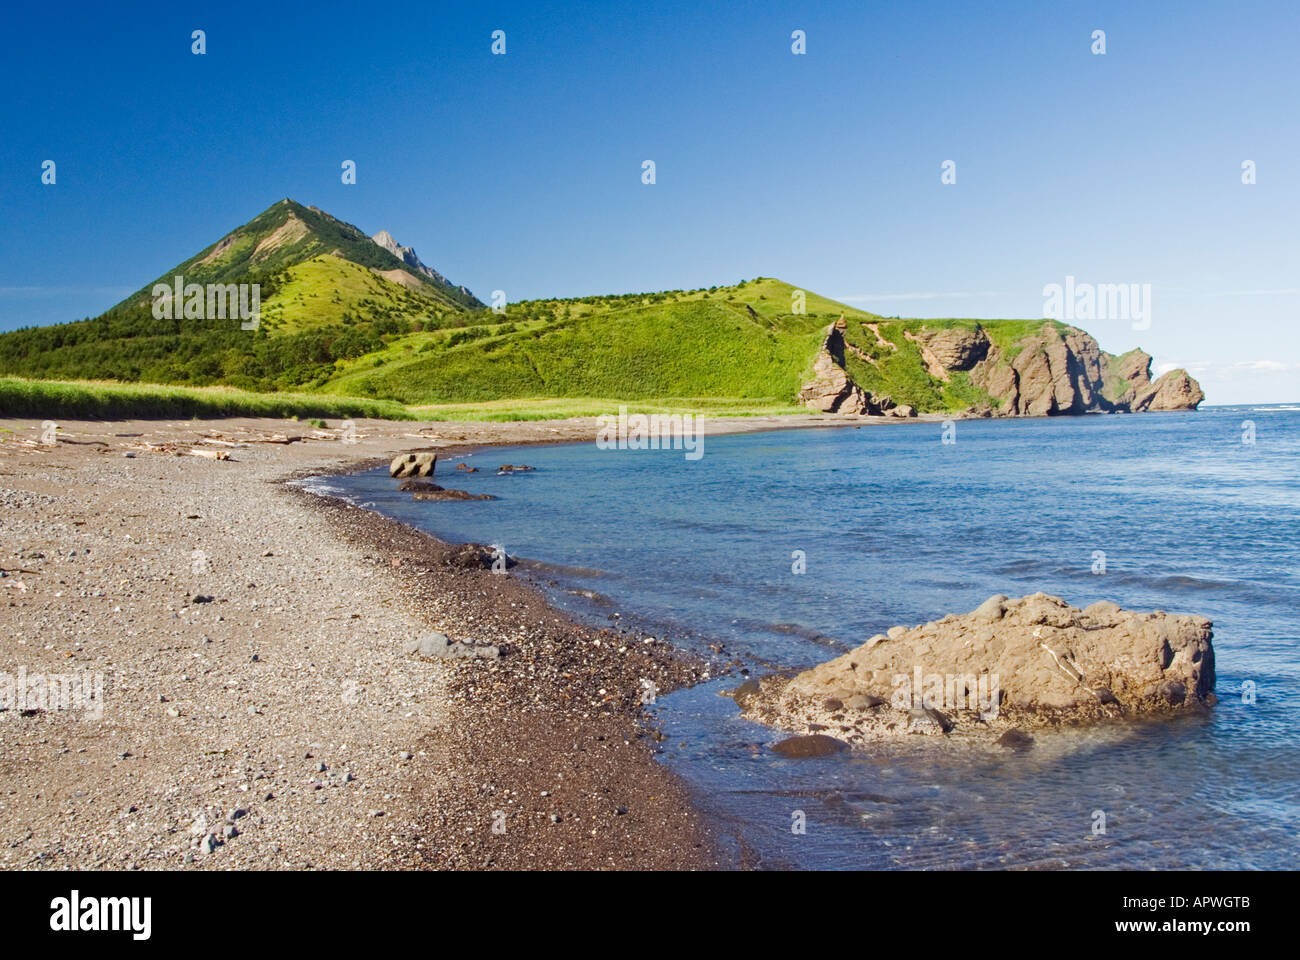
864, 701
749, 688
942, 719
1015, 739
470, 556
813, 745
417, 486
928, 720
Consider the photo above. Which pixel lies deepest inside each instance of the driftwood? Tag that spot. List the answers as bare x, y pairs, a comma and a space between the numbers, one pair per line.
222, 443
216, 436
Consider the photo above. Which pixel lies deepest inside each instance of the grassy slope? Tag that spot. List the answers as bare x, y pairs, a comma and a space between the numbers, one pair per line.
687, 345
327, 290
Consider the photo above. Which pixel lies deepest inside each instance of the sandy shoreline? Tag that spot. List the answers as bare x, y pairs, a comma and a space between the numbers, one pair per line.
281, 716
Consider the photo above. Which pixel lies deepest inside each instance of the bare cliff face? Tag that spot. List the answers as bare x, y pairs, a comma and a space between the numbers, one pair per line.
408, 256
832, 390
1052, 372
1055, 372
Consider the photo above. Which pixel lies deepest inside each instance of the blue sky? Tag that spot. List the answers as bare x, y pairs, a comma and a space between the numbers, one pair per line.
523, 172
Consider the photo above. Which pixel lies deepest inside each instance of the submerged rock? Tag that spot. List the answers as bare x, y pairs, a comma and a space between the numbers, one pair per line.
1008, 665
1015, 739
441, 494
743, 692
469, 556
424, 490
813, 745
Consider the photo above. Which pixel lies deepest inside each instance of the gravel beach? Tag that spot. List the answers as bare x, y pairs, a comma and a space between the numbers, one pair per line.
260, 708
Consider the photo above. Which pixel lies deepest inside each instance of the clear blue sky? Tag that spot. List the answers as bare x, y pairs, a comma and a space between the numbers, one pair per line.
523, 172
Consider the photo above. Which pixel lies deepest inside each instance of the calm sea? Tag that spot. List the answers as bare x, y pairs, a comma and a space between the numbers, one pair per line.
1172, 511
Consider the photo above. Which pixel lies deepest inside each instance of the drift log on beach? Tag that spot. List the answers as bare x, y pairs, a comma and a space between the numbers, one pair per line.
1034, 662
413, 465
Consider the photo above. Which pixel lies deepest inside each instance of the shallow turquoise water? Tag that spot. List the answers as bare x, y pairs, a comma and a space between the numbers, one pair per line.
899, 528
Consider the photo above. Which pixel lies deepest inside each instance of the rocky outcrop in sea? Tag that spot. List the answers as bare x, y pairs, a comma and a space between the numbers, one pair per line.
998, 673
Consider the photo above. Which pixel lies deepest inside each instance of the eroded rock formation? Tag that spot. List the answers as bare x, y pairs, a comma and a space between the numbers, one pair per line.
413, 465
1058, 370
832, 390
1019, 665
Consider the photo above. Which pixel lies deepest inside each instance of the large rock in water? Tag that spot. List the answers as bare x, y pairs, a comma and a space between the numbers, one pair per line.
1173, 391
413, 465
1009, 664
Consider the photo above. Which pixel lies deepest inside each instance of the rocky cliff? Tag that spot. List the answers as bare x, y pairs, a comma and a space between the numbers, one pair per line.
831, 390
409, 257
1064, 371
1057, 370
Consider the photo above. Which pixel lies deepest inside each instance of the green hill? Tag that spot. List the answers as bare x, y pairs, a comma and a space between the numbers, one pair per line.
737, 342
347, 315
328, 293
287, 234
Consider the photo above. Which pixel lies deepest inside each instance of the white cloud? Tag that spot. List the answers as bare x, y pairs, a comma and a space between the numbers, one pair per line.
1226, 371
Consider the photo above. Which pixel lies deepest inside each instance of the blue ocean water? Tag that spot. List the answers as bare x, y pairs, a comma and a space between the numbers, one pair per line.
898, 527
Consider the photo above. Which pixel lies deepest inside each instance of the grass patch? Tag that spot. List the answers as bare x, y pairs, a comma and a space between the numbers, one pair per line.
552, 408
88, 400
